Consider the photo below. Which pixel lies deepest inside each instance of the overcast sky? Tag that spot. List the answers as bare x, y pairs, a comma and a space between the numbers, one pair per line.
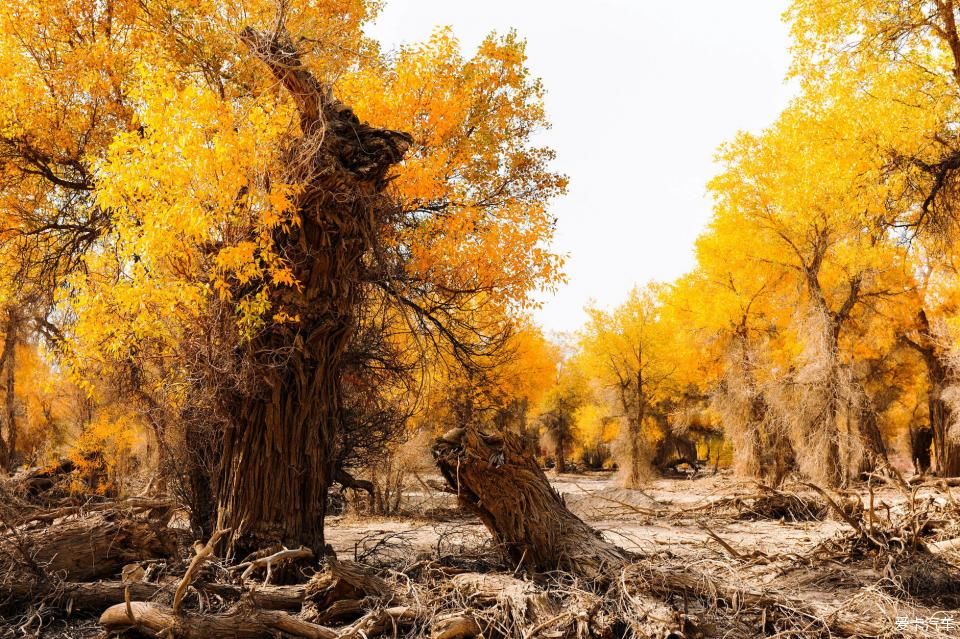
640, 93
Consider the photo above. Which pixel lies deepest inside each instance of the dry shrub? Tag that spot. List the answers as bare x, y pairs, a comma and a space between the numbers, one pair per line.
813, 405
394, 477
930, 579
758, 435
777, 505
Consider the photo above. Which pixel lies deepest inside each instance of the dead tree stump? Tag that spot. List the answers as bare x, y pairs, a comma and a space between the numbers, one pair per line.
495, 476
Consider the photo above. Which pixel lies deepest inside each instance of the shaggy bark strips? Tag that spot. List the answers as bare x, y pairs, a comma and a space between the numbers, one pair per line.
279, 450
498, 478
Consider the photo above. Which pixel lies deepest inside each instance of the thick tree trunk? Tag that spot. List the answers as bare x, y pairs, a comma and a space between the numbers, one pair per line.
829, 431
946, 449
784, 456
10, 348
824, 433
635, 472
279, 452
8, 361
495, 476
203, 501
561, 451
758, 410
278, 458
921, 439
871, 440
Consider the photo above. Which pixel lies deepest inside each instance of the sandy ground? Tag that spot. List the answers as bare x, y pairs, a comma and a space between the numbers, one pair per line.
677, 522
663, 516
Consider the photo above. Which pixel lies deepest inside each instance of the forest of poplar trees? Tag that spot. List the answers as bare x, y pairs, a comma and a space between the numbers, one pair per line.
271, 364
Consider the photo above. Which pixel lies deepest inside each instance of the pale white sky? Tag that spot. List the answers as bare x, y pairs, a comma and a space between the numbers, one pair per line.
640, 93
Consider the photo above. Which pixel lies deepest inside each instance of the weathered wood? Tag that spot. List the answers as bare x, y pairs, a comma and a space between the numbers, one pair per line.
88, 548
269, 561
345, 580
280, 445
497, 477
455, 626
155, 620
203, 554
98, 595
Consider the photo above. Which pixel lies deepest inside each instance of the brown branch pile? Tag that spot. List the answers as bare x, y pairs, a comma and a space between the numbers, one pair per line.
782, 505
152, 586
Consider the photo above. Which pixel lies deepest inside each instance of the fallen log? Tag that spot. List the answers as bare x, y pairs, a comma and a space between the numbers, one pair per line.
160, 509
98, 595
244, 622
940, 547
85, 549
34, 483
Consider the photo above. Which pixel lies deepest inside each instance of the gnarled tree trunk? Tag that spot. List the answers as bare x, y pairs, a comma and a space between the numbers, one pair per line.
279, 451
496, 477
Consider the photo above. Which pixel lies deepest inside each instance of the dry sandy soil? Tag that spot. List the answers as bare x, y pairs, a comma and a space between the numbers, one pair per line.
663, 516
806, 575
705, 523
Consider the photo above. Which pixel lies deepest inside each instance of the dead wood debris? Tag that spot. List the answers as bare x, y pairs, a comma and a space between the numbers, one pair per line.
786, 506
152, 588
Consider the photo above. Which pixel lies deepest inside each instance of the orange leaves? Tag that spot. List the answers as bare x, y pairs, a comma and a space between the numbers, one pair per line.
475, 188
160, 172
239, 260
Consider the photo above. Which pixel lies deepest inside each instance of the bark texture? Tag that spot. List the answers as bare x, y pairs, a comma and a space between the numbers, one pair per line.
99, 595
155, 620
946, 448
496, 477
32, 562
87, 549
279, 450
